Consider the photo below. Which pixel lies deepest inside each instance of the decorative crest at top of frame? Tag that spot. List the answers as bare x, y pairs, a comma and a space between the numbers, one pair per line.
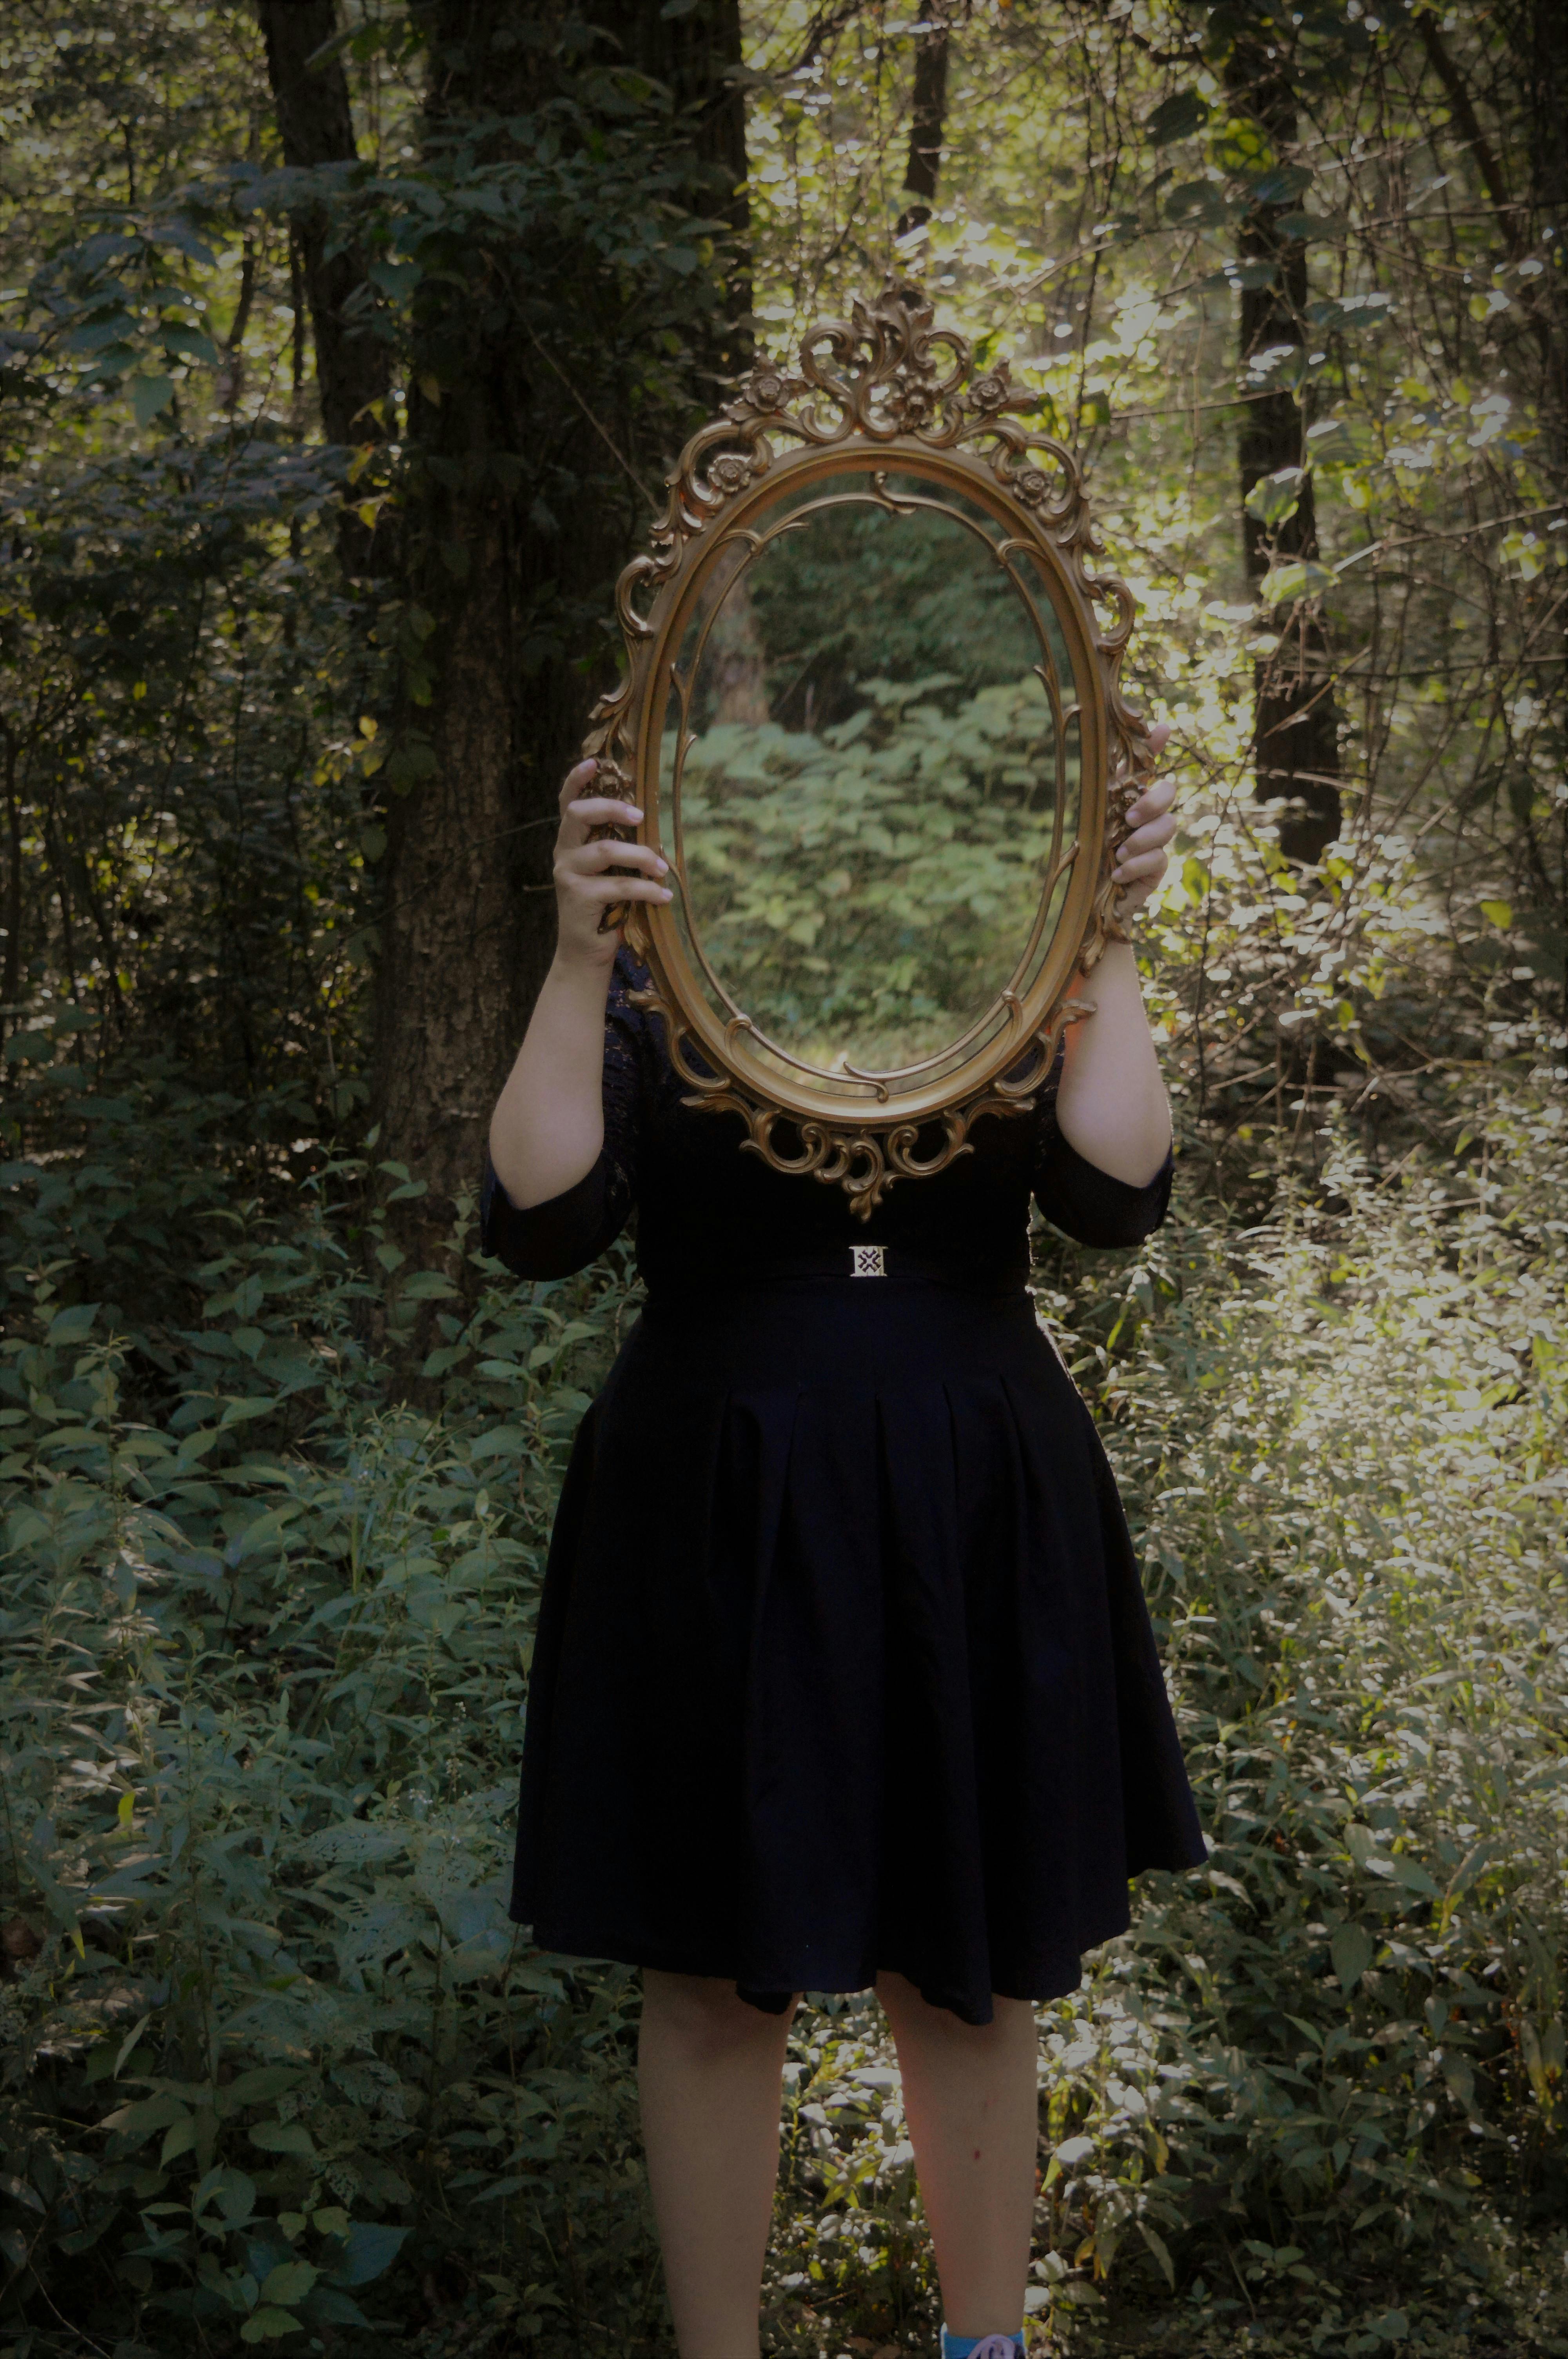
886, 375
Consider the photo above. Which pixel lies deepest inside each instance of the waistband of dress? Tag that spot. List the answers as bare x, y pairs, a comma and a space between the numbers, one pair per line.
863, 1267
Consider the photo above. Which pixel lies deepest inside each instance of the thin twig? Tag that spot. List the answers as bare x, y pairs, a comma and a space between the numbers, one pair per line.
602, 431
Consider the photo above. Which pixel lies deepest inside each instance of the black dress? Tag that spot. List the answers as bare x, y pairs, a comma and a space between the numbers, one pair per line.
842, 1660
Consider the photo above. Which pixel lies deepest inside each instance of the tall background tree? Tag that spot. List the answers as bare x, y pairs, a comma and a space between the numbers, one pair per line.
316, 132
546, 387
1296, 729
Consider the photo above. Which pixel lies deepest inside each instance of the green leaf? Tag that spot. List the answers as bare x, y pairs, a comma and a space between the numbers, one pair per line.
1199, 205
71, 1326
398, 279
269, 2326
1352, 1949
188, 344
1280, 185
368, 2250
1497, 913
324, 2306
501, 1440
1177, 117
290, 2281
1329, 438
109, 328
1470, 1867
1300, 579
1277, 496
235, 2194
240, 1410
258, 2087
1161, 2250
149, 395
1370, 310
148, 2113
29, 1047
282, 2138
1414, 1876
426, 1285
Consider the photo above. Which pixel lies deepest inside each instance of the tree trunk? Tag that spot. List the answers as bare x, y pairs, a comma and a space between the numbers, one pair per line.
11, 970
1295, 739
697, 56
927, 121
316, 127
1536, 32
523, 520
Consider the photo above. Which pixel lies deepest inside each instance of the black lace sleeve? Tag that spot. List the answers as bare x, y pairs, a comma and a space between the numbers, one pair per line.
1085, 1203
567, 1231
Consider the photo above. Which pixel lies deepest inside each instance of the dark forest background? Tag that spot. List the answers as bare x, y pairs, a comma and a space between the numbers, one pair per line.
346, 345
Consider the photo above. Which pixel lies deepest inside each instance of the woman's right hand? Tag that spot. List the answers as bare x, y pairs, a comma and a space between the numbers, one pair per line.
585, 887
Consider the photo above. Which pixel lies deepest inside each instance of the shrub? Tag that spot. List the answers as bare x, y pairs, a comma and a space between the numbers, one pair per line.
269, 2028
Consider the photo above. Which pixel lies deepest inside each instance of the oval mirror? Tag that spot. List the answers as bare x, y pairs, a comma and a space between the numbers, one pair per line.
872, 720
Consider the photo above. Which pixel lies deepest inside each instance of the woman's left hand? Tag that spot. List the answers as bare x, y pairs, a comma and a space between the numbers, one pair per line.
1143, 860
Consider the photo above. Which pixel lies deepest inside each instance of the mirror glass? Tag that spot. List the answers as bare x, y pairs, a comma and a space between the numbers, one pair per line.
871, 767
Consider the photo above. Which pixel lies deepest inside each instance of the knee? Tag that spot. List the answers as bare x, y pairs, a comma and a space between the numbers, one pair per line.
707, 2019
915, 2017
906, 2010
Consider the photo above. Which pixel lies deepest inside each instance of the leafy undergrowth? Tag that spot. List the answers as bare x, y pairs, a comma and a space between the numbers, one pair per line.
275, 2056
276, 2062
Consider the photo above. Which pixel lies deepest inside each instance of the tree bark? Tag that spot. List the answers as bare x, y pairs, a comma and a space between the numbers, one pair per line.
1536, 35
1295, 736
517, 523
11, 969
316, 127
927, 121
1465, 117
696, 56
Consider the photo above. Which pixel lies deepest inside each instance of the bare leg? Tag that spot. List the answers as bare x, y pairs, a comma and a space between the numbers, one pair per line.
970, 2099
709, 2069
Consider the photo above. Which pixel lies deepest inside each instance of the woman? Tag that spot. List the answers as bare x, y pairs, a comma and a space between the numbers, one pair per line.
843, 1673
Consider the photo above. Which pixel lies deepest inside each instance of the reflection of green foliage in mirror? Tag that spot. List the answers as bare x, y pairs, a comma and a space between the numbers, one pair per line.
863, 593
864, 893
869, 797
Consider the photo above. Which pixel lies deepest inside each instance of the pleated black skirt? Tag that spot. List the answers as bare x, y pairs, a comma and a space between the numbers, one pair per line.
842, 1663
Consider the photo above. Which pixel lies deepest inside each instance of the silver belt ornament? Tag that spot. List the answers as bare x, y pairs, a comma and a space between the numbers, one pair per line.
867, 1261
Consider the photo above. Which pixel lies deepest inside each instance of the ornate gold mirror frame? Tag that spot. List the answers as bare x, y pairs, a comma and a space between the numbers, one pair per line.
885, 391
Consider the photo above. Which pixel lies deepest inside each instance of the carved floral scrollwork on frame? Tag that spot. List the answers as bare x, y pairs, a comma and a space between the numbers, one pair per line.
885, 388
